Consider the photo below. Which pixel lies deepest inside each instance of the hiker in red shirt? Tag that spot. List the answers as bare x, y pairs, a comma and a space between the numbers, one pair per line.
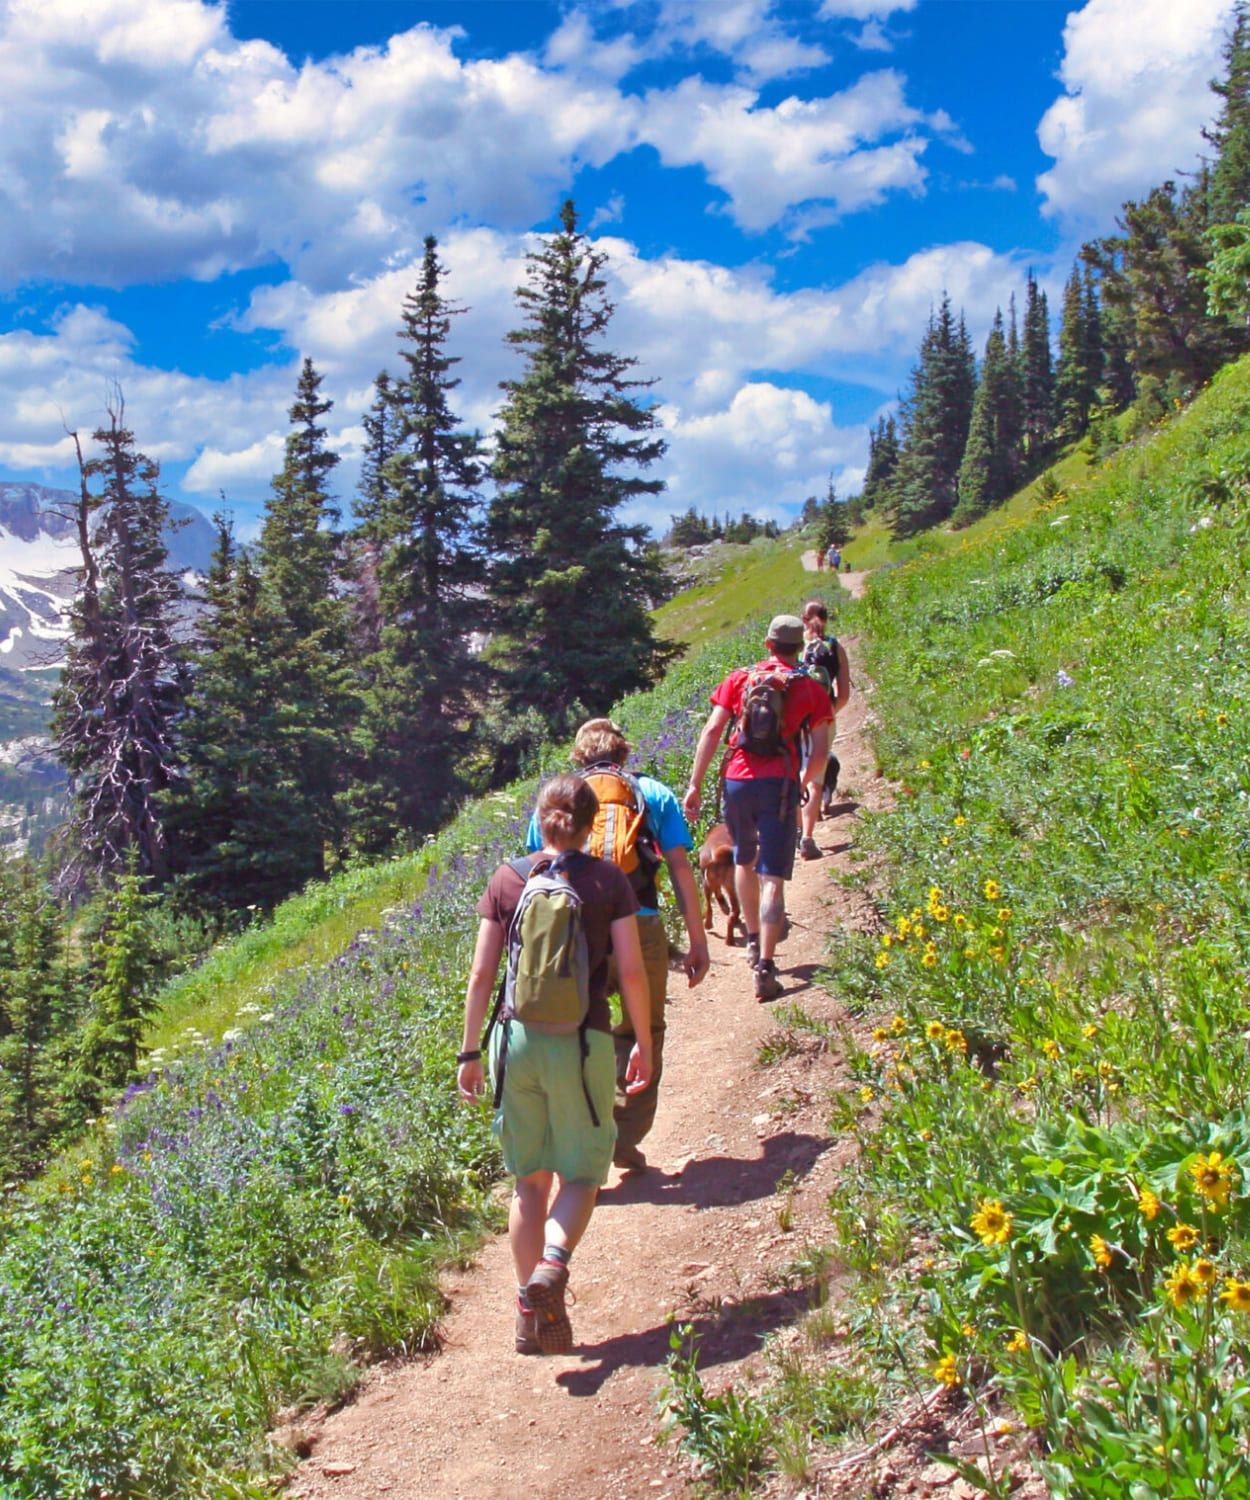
769, 705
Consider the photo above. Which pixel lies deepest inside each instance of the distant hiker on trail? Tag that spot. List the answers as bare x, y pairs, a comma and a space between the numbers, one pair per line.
558, 915
835, 559
639, 826
768, 706
820, 560
825, 659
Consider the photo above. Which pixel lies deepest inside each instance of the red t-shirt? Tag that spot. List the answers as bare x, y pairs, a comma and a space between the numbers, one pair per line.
606, 896
806, 705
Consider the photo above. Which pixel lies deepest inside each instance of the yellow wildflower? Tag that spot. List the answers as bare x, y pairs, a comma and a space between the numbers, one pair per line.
959, 820
1101, 1251
1027, 1085
1183, 1236
904, 927
945, 1372
866, 1094
955, 1040
939, 913
1182, 1285
1213, 1177
991, 1222
1148, 1205
882, 960
929, 959
917, 930
926, 1135
880, 1034
1018, 1342
1205, 1272
1236, 1295
898, 1025
935, 1031
1052, 1049
992, 890
935, 894
960, 920
1089, 1032
1004, 914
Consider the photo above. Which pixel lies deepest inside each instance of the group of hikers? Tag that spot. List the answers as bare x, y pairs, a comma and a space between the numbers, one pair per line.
833, 557
578, 920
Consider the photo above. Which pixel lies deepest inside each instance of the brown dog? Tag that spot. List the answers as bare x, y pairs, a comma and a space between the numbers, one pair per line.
716, 868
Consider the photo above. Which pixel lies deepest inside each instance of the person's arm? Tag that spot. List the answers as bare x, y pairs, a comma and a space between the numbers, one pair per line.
636, 998
486, 955
842, 687
703, 755
686, 894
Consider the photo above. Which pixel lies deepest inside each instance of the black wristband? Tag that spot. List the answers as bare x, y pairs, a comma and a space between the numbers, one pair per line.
464, 1057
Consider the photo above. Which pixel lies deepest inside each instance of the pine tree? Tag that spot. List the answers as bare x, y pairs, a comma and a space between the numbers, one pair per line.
989, 467
1153, 279
238, 812
423, 681
835, 526
883, 452
298, 558
936, 415
373, 499
31, 996
570, 584
1038, 385
1228, 184
125, 970
1077, 375
115, 710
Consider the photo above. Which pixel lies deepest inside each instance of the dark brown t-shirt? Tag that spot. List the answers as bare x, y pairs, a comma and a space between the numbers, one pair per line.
606, 897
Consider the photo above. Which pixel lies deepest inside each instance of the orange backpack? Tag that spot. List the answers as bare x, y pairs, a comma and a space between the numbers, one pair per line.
621, 832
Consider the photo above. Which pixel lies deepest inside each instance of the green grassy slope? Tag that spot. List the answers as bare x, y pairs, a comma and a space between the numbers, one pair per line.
732, 582
1052, 1195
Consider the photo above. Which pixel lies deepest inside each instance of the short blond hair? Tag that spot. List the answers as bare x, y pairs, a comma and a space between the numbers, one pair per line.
600, 739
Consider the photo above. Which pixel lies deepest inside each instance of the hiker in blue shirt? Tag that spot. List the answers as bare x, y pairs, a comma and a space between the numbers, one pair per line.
600, 751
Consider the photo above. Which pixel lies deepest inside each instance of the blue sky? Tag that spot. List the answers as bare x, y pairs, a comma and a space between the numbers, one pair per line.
194, 196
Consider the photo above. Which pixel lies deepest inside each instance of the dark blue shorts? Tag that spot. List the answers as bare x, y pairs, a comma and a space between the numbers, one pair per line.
760, 818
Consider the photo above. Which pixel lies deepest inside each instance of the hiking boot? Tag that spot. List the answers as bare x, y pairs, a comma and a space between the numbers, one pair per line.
629, 1158
526, 1330
753, 953
767, 985
545, 1291
809, 849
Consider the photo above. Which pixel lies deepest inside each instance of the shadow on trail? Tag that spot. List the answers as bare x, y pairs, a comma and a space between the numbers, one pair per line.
804, 974
722, 1181
723, 1335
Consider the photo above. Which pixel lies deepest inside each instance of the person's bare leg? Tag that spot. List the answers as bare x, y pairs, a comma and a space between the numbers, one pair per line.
527, 1219
747, 884
809, 812
772, 913
570, 1214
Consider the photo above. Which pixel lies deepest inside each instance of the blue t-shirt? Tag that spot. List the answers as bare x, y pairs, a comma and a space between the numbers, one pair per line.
664, 817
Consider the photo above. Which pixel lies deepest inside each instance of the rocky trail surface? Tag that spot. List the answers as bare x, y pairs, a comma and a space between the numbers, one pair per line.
742, 1164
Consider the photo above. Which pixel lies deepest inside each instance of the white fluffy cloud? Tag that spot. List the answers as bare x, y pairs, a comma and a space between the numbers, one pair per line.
769, 160
1135, 75
141, 141
764, 452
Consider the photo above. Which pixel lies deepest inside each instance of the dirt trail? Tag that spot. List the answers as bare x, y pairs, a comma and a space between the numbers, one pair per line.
698, 1238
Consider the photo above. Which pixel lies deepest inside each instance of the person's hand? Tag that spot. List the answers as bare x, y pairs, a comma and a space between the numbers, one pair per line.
638, 1069
470, 1080
696, 963
692, 801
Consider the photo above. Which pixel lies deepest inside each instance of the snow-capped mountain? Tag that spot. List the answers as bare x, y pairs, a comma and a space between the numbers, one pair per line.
38, 561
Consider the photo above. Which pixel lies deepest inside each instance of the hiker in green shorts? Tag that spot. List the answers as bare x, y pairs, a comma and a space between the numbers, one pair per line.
639, 825
554, 1082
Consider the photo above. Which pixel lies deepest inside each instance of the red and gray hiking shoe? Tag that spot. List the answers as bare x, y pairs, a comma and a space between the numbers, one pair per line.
526, 1330
545, 1293
767, 985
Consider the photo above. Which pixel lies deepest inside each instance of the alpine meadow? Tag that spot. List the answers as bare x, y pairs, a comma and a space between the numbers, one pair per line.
542, 365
